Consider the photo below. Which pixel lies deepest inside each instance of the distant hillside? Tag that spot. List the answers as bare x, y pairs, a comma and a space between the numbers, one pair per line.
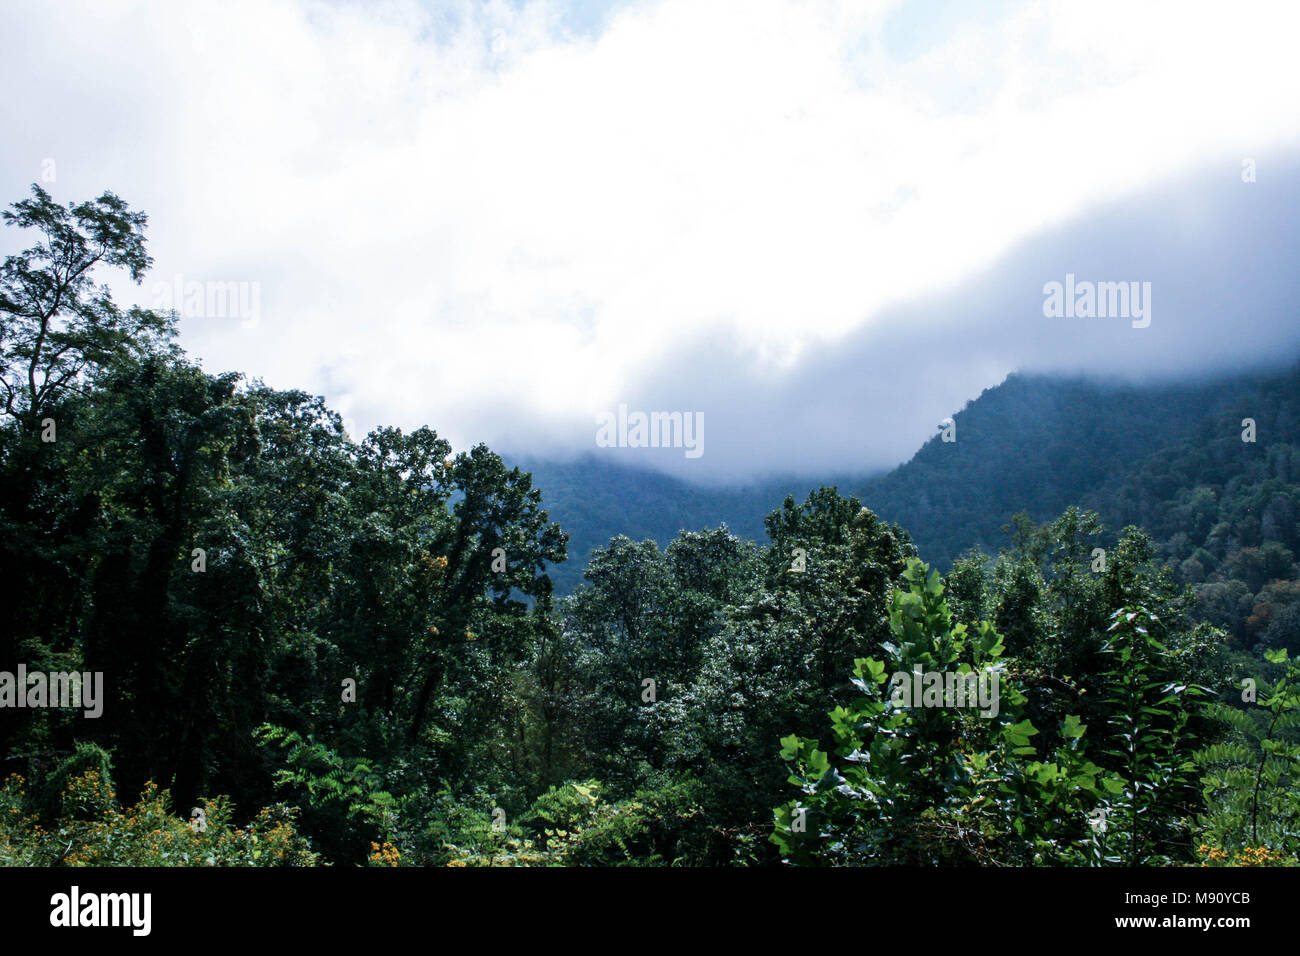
1035, 444
1227, 512
1168, 457
595, 499
1224, 513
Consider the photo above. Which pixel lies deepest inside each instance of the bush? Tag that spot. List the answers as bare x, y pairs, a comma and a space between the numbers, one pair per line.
1251, 782
933, 785
95, 832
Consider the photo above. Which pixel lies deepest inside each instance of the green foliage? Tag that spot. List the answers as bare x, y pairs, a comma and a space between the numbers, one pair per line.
935, 784
420, 579
576, 824
56, 326
333, 783
1252, 776
96, 832
55, 800
1149, 743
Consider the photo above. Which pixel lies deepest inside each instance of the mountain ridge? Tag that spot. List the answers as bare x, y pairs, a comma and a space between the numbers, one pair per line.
1035, 442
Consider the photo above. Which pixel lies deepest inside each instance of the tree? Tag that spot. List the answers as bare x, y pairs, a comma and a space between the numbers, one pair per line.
55, 323
1252, 777
60, 335
1149, 743
940, 783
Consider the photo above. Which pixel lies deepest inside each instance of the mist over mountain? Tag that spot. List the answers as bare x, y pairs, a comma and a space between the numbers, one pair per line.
594, 499
867, 223
1035, 443
1038, 444
1218, 254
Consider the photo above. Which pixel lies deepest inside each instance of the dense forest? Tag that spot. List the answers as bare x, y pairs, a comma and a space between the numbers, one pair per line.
595, 499
324, 651
1017, 454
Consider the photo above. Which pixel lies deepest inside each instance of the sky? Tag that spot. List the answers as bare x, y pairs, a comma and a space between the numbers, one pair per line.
822, 226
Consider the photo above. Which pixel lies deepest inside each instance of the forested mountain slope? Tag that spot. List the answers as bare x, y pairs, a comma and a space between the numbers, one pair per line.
1169, 458
1224, 510
1174, 460
594, 499
1039, 444
1033, 443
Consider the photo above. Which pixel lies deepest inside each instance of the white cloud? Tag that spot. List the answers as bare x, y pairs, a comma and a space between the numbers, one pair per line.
472, 216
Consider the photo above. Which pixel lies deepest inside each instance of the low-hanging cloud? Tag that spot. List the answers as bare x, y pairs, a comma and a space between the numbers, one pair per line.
1224, 296
502, 220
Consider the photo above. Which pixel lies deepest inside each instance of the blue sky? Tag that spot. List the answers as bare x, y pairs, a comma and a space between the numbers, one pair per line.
501, 219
